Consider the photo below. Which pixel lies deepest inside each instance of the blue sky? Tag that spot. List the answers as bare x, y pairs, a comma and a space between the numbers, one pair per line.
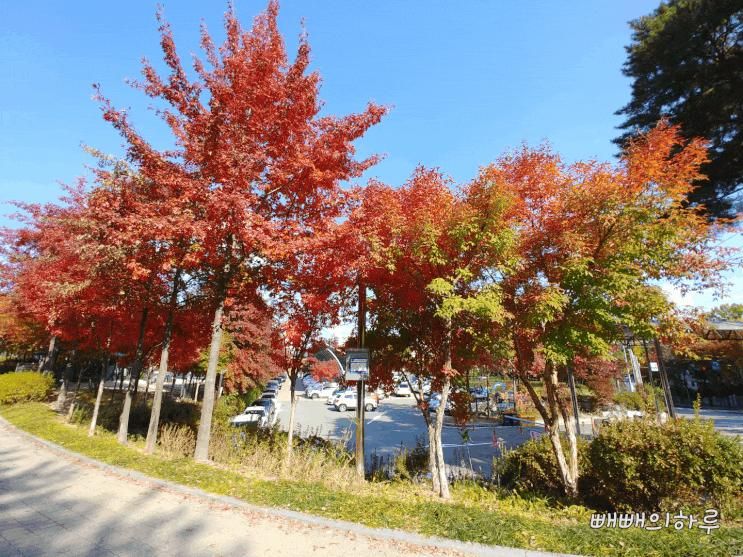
465, 80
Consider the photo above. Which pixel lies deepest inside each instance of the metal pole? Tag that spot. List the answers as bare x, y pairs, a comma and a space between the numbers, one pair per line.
664, 380
650, 376
361, 390
574, 397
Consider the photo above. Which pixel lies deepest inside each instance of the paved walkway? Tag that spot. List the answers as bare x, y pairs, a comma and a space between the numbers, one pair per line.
54, 503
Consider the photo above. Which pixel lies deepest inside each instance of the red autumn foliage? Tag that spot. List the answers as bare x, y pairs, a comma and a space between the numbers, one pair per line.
325, 370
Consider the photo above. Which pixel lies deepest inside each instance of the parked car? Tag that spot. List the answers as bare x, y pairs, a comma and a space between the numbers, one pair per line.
312, 385
272, 397
268, 403
349, 400
167, 380
308, 381
422, 388
434, 403
340, 391
479, 393
321, 390
253, 417
403, 389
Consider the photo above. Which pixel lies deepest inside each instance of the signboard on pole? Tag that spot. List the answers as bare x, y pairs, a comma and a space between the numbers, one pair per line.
357, 364
653, 366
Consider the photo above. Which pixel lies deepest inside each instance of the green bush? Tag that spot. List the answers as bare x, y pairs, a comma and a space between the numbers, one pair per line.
643, 466
22, 386
630, 400
639, 466
642, 400
410, 464
532, 467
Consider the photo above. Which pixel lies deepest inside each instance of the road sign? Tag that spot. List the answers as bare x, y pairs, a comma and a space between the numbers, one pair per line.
357, 364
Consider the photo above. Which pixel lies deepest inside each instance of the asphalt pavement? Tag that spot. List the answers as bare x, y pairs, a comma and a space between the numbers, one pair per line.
729, 422
397, 424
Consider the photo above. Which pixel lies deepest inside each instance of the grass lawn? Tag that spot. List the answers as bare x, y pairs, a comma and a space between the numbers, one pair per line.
475, 514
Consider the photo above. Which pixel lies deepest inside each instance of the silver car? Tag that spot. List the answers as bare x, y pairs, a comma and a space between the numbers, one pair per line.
349, 400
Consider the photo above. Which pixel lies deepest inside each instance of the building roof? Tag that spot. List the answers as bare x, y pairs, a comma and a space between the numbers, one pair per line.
723, 329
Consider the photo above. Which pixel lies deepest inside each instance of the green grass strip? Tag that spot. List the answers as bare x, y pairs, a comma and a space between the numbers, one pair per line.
464, 520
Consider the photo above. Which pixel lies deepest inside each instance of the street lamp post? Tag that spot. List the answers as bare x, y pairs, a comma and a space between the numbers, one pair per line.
357, 365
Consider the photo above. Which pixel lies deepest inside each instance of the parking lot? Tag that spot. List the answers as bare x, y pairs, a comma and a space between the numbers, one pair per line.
398, 423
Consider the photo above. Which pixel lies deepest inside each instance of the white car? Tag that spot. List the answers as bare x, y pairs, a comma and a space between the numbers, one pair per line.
403, 389
349, 400
254, 417
268, 403
272, 397
422, 388
321, 390
340, 391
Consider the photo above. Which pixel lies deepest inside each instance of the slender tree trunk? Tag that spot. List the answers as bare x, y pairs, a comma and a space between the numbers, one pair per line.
568, 471
133, 380
164, 353
207, 407
62, 395
98, 396
572, 452
74, 395
292, 414
219, 385
551, 416
172, 385
433, 459
147, 385
47, 362
118, 382
438, 429
440, 481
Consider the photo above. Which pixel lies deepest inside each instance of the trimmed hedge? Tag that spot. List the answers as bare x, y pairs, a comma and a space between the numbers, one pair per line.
23, 386
639, 466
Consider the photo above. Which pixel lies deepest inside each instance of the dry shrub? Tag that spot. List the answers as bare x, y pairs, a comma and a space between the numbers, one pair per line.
176, 441
263, 455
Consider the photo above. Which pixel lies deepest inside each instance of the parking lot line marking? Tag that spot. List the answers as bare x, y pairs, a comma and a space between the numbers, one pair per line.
375, 418
449, 445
